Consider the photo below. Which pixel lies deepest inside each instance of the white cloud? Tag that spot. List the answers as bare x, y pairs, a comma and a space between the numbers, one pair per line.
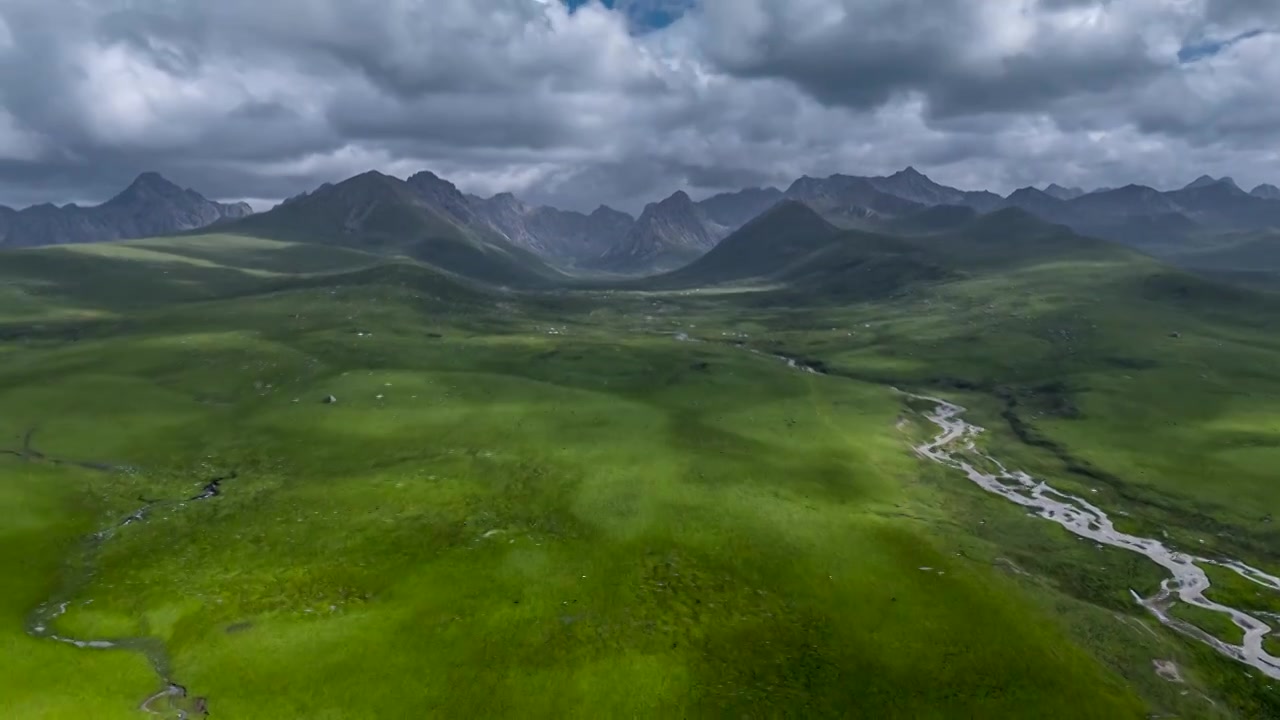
6, 35
266, 99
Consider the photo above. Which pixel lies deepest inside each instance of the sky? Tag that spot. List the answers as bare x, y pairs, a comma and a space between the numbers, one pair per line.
576, 103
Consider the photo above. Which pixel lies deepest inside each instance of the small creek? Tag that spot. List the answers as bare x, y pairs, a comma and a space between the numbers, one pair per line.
172, 700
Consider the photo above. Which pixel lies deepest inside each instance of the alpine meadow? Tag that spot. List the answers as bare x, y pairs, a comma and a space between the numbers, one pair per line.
779, 445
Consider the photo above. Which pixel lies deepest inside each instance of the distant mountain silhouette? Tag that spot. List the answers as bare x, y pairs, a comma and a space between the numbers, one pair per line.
1266, 192
1063, 193
667, 234
503, 238
733, 210
677, 230
150, 206
563, 235
424, 217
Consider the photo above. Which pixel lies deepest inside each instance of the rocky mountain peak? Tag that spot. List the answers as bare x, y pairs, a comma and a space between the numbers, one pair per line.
429, 184
426, 177
667, 234
507, 202
442, 195
148, 186
604, 211
1223, 187
150, 206
733, 210
1202, 181
1266, 192
152, 179
1063, 193
676, 199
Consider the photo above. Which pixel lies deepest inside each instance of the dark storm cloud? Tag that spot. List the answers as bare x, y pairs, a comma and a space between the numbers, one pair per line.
245, 98
963, 56
1242, 11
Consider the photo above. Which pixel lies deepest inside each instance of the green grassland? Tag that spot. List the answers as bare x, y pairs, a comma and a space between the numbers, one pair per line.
545, 505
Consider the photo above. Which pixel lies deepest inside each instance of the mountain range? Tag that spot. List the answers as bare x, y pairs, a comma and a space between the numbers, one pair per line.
427, 217
151, 205
423, 217
792, 249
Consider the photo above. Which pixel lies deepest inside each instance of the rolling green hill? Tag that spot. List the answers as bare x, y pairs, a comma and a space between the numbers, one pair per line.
794, 250
95, 280
1010, 238
1249, 257
596, 503
784, 234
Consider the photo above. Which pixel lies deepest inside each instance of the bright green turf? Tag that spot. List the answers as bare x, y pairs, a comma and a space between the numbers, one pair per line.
730, 536
1216, 624
595, 521
1232, 589
46, 513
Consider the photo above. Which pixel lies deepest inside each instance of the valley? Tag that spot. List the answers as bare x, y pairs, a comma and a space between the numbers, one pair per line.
292, 469
672, 359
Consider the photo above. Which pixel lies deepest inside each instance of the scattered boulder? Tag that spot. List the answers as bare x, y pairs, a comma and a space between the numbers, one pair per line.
1175, 335
1168, 670
330, 400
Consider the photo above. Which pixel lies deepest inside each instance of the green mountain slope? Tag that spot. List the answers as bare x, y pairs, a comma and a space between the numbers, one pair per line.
98, 279
1244, 251
784, 234
377, 213
105, 281
939, 218
792, 247
1010, 238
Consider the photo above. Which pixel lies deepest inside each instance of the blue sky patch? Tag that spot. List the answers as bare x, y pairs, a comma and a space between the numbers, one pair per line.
645, 15
1208, 47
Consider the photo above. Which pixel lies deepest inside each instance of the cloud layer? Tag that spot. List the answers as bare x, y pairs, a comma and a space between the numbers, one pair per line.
619, 105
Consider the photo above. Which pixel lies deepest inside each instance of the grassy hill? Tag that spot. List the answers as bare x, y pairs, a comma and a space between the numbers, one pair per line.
544, 504
795, 251
1011, 238
1243, 257
791, 249
100, 279
784, 234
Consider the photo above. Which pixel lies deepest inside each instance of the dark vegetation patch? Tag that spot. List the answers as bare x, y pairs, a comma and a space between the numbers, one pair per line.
1131, 363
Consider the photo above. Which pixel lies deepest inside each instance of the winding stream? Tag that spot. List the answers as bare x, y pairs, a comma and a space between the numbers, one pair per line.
30, 454
1188, 583
956, 442
172, 700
